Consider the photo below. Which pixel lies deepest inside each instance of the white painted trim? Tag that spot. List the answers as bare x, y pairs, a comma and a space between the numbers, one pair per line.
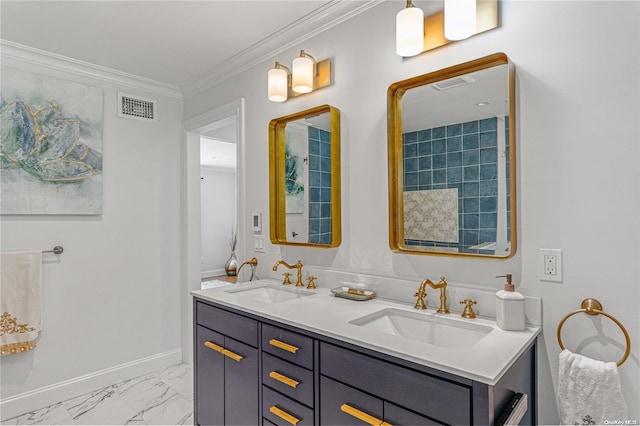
53, 61
213, 273
191, 269
316, 22
33, 400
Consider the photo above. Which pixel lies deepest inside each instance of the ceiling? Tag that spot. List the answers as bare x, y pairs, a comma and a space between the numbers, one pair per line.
186, 44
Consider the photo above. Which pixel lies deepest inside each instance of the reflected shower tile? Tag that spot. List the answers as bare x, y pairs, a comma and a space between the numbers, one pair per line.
98, 408
52, 415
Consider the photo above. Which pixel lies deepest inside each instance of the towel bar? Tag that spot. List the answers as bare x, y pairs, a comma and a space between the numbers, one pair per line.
56, 250
593, 307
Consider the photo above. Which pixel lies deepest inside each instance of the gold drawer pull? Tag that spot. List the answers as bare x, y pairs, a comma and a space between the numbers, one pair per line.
283, 379
223, 351
361, 415
284, 346
214, 346
284, 415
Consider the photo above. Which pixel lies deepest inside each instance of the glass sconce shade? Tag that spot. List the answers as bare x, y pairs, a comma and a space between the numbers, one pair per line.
302, 75
410, 31
459, 19
277, 85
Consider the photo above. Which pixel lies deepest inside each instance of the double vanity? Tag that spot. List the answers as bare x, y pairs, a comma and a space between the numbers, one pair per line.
272, 354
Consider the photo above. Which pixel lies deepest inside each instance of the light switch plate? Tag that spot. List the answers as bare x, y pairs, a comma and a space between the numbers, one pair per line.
258, 246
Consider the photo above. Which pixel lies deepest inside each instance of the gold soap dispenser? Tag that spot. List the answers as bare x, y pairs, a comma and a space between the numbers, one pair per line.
510, 307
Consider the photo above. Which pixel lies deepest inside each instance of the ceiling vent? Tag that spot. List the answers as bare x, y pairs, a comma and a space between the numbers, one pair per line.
453, 82
136, 107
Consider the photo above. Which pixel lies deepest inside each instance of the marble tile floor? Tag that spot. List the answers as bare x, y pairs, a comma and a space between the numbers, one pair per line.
161, 398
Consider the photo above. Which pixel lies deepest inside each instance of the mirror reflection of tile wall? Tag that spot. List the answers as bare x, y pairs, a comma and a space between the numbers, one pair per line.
462, 156
319, 186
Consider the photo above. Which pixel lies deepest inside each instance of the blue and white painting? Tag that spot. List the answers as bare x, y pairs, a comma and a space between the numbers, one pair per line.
50, 146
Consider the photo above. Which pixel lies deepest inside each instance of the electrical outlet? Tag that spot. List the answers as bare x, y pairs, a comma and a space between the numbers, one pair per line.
550, 261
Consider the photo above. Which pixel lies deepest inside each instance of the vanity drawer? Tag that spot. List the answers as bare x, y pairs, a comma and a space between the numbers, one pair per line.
334, 395
233, 325
288, 345
397, 384
287, 378
399, 416
281, 410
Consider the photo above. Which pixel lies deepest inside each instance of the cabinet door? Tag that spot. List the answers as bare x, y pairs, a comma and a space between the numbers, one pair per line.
343, 405
241, 380
209, 379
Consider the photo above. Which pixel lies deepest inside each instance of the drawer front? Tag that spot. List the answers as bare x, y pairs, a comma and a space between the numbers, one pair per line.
233, 325
284, 411
343, 405
398, 416
288, 345
290, 379
442, 400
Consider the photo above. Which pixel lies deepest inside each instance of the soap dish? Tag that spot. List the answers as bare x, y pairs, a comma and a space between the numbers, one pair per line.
353, 293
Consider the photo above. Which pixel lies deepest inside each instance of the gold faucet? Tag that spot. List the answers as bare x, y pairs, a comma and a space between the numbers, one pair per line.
253, 263
297, 266
422, 293
468, 308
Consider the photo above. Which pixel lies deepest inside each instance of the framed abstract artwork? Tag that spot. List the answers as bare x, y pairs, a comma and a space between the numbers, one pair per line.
50, 146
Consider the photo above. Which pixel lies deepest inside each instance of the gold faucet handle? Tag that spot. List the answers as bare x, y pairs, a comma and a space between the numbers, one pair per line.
420, 303
312, 282
287, 278
468, 309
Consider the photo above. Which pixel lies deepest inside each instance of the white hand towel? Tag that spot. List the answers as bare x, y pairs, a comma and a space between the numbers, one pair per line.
589, 391
20, 301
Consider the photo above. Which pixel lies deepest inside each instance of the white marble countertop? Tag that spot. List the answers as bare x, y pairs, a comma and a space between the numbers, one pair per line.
485, 361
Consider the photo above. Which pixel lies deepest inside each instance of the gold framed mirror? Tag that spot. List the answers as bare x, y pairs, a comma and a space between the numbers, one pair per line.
304, 178
452, 161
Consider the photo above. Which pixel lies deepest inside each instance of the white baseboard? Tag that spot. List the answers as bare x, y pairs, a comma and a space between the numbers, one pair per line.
33, 400
213, 273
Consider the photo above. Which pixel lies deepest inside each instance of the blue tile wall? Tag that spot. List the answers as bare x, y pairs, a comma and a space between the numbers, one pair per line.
462, 156
319, 186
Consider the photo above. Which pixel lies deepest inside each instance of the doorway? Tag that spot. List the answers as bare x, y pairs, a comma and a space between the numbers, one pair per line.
229, 117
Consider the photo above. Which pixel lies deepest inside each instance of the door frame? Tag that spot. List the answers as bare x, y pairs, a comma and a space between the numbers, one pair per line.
191, 237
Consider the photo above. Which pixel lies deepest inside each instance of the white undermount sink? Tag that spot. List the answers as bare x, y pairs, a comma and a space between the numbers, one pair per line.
434, 329
269, 294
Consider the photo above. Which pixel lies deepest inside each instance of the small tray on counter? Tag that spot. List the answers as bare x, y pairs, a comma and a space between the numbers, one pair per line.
352, 293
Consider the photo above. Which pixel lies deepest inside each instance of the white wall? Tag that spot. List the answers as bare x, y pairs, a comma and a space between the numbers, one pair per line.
112, 302
218, 204
578, 153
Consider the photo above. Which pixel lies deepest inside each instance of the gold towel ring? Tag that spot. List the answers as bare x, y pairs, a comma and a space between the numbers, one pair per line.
593, 307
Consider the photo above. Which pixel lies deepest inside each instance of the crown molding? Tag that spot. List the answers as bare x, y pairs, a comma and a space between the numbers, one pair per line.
26, 54
314, 23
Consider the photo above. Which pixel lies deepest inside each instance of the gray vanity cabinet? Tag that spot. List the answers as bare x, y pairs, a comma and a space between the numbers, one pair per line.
226, 368
291, 376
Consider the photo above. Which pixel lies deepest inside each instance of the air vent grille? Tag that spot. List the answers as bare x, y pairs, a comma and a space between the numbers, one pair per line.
136, 107
452, 82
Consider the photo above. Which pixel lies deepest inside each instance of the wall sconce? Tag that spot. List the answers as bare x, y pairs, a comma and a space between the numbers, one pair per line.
460, 19
305, 76
409, 30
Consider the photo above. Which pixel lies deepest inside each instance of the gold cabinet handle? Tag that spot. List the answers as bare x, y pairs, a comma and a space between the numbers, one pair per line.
283, 415
284, 346
283, 379
232, 355
224, 351
361, 415
214, 346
